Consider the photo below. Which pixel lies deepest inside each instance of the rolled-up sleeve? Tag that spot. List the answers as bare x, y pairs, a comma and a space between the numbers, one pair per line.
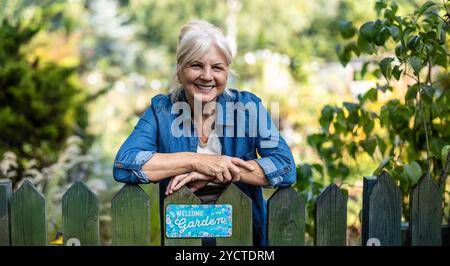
276, 159
137, 149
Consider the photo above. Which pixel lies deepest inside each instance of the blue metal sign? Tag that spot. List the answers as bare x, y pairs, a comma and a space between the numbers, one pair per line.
190, 221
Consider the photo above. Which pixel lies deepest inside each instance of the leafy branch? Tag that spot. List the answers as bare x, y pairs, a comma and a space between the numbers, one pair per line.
400, 131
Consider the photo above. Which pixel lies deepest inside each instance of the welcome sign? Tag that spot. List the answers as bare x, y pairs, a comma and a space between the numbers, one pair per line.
189, 221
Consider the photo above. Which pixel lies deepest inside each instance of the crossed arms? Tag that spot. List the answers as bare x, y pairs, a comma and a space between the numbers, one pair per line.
195, 170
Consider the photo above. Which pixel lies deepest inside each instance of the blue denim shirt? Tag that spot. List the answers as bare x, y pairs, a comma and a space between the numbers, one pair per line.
244, 132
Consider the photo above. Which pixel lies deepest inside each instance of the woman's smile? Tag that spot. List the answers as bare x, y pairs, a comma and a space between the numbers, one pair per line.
203, 88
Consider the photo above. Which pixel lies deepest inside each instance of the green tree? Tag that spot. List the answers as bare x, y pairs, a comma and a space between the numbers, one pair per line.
409, 134
161, 20
40, 104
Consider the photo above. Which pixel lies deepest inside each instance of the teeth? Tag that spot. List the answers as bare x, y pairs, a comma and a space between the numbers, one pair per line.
204, 87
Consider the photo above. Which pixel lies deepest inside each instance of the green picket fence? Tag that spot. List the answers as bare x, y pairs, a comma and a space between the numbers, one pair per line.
23, 216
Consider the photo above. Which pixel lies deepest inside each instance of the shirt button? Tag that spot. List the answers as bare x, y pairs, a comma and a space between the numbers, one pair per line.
119, 165
286, 169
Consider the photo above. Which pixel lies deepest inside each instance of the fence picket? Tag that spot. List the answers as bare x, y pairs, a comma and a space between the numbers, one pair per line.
181, 196
368, 184
426, 213
5, 197
23, 215
80, 216
152, 191
286, 218
384, 212
331, 217
130, 214
445, 235
28, 221
242, 234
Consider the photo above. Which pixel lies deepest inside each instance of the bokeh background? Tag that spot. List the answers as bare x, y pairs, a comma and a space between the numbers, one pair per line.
75, 76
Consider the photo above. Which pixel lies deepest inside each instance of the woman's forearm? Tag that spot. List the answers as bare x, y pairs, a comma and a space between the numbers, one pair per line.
164, 165
255, 177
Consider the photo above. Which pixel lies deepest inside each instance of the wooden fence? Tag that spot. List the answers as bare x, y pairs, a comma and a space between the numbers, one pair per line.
23, 216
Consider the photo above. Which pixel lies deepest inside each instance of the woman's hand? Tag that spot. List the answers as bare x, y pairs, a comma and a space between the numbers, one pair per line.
224, 168
196, 185
197, 180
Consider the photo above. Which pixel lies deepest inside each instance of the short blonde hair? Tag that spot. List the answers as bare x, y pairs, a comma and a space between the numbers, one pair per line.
195, 39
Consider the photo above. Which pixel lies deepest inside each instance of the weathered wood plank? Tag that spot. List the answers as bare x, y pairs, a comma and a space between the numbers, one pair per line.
331, 217
385, 205
182, 196
152, 191
130, 214
5, 197
406, 241
28, 217
286, 218
446, 235
242, 232
426, 213
368, 184
80, 216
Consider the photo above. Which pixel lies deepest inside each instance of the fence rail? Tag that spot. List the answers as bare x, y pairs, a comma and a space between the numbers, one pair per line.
23, 216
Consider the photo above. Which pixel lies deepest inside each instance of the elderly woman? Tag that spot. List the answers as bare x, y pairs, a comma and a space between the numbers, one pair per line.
205, 135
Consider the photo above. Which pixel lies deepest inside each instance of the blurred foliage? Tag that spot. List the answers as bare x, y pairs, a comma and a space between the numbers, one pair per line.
55, 179
161, 20
40, 104
407, 134
274, 25
13, 11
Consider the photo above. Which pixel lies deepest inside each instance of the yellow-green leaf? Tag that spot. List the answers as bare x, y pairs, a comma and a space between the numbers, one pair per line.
444, 153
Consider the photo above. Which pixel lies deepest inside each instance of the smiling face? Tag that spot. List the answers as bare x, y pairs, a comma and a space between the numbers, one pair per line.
205, 78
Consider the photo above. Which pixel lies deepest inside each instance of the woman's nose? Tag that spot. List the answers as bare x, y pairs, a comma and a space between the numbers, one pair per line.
206, 74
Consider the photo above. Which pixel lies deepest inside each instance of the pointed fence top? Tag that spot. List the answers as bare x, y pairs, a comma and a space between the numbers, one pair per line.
130, 190
27, 187
331, 191
79, 188
426, 180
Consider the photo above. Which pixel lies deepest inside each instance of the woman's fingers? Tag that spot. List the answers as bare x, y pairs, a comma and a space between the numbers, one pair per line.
193, 176
219, 176
168, 186
201, 176
185, 180
174, 181
235, 172
181, 180
227, 176
243, 164
196, 185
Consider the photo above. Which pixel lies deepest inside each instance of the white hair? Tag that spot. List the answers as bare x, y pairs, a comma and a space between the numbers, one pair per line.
195, 40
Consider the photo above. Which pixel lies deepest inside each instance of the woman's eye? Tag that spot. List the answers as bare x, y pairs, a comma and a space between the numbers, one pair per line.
196, 66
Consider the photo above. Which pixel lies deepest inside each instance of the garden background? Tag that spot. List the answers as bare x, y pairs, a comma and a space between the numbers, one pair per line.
362, 86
